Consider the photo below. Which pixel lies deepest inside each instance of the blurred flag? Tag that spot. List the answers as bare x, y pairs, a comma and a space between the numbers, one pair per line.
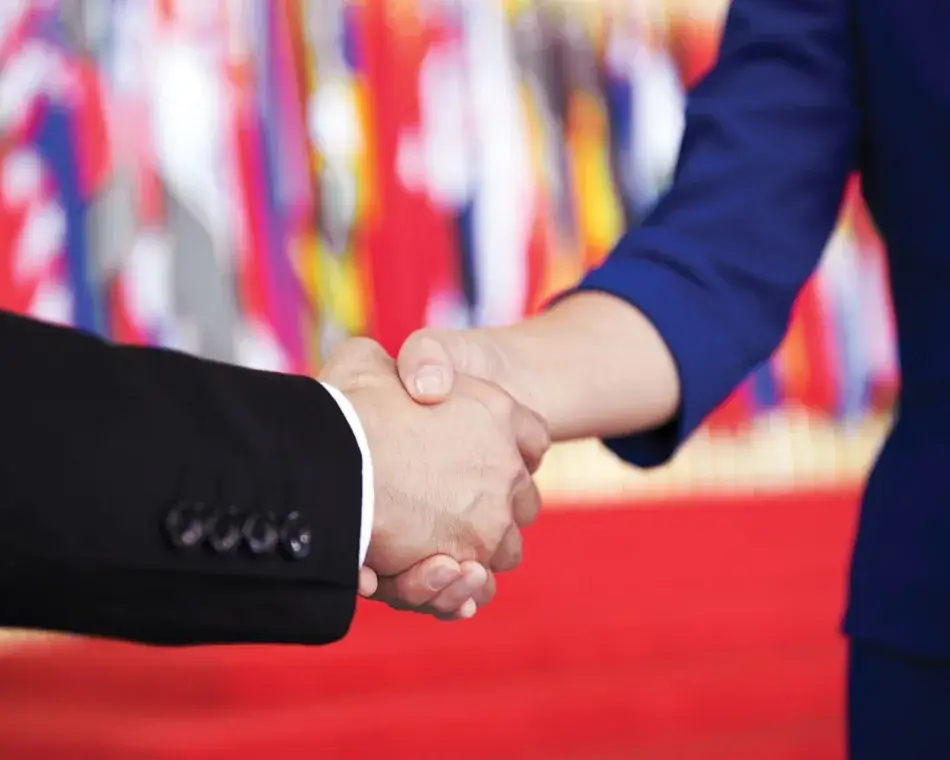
137, 272
598, 208
411, 242
350, 166
504, 192
59, 157
809, 374
839, 283
876, 305
619, 94
280, 163
332, 262
259, 344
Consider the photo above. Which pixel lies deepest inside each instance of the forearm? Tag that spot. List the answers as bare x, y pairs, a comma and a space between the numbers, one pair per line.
591, 366
771, 136
197, 486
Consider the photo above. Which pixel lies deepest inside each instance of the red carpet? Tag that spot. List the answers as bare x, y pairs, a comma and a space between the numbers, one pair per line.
686, 633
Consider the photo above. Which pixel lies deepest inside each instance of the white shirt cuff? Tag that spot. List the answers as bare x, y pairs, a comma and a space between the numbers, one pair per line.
366, 523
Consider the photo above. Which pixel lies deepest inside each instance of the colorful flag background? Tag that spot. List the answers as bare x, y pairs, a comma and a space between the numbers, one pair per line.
258, 181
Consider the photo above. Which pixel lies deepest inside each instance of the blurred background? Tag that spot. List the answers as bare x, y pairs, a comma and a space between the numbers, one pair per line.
256, 180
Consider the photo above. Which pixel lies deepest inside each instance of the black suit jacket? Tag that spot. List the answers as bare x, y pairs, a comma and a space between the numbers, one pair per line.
150, 495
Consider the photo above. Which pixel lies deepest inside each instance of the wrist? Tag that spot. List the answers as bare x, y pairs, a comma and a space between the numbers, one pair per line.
377, 527
592, 365
368, 509
533, 368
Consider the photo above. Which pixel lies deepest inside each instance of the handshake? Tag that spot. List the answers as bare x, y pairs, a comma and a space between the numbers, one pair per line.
453, 456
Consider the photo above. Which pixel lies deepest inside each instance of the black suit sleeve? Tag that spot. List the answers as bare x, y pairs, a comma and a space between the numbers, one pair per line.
153, 496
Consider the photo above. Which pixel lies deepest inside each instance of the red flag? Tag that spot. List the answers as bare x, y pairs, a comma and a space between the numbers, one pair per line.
91, 133
408, 243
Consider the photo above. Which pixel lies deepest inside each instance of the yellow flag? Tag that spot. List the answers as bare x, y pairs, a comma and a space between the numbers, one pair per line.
598, 206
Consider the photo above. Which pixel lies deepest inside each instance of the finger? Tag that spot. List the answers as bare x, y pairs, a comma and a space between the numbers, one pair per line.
368, 582
531, 435
486, 594
529, 429
419, 584
525, 501
465, 612
510, 552
475, 584
426, 367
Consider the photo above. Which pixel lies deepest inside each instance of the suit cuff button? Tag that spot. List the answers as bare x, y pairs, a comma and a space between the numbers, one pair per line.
296, 538
260, 534
224, 530
185, 524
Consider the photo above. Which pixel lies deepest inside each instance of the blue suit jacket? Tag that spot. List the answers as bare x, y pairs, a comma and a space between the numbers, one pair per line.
805, 92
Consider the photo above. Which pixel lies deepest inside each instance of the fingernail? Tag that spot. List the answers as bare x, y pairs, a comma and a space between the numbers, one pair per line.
431, 379
441, 577
468, 609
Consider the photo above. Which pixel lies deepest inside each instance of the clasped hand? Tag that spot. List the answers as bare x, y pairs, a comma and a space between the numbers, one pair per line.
453, 483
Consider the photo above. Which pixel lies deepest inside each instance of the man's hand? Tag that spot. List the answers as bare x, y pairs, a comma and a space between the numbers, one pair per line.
591, 366
428, 365
453, 479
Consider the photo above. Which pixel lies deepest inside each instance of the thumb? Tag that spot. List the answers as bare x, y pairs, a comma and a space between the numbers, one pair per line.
368, 582
426, 366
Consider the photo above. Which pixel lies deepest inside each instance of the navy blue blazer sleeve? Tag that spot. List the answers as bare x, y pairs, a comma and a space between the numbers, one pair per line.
771, 138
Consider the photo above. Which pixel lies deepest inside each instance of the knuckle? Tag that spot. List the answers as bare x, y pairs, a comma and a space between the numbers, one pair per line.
516, 478
507, 561
366, 349
530, 515
480, 532
485, 596
461, 537
471, 544
505, 516
355, 362
445, 605
423, 335
411, 591
426, 342
515, 548
501, 405
503, 464
423, 332
490, 535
